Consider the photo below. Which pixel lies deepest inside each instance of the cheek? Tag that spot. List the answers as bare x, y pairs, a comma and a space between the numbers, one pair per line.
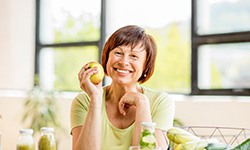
111, 59
140, 67
109, 65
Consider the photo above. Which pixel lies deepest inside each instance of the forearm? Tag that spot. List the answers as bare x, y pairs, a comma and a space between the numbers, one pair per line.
89, 137
143, 114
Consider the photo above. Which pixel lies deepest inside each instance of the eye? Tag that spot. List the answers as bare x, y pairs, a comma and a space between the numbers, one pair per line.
117, 53
134, 56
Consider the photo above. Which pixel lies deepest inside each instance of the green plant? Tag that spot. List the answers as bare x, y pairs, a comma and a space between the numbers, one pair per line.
40, 110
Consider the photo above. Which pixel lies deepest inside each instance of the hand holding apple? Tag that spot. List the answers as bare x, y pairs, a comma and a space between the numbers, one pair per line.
97, 77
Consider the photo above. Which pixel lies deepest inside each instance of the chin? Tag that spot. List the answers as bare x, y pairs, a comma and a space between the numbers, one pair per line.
120, 81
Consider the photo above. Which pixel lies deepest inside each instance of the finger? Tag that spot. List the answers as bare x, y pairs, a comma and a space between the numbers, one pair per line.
90, 72
121, 108
85, 78
80, 76
86, 67
80, 73
83, 69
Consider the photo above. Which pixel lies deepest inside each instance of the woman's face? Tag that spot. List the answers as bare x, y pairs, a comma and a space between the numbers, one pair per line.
125, 65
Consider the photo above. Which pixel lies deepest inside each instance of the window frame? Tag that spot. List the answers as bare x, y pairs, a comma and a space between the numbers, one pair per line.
198, 40
39, 46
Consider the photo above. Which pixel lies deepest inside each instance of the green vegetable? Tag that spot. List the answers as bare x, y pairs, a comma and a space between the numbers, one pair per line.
147, 139
245, 145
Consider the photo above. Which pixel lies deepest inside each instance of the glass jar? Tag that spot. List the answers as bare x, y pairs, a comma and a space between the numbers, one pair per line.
25, 140
47, 140
147, 137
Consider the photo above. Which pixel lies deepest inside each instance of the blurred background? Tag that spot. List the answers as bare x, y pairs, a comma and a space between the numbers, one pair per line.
203, 58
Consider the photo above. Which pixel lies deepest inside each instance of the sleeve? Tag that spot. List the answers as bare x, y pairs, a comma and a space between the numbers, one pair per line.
79, 109
163, 111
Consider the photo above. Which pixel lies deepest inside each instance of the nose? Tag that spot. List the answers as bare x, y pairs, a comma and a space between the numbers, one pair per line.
124, 61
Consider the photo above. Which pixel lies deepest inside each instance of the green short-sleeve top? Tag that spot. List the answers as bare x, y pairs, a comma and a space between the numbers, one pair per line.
113, 138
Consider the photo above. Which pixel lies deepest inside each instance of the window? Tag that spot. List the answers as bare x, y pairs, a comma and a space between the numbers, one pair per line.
221, 47
71, 32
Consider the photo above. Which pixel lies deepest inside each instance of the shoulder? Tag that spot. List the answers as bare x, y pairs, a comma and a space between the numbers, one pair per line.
81, 97
158, 97
162, 107
81, 100
150, 93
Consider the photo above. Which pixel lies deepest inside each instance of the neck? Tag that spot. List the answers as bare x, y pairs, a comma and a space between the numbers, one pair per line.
115, 92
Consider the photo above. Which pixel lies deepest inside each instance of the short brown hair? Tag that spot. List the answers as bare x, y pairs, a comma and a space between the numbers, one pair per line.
132, 35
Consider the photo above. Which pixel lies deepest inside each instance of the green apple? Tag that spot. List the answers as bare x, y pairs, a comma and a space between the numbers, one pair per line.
97, 77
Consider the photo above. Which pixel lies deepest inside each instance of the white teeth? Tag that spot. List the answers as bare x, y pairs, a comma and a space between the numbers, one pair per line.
122, 71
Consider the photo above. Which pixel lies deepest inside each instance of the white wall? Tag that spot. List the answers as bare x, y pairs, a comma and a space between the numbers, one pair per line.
224, 111
17, 41
16, 72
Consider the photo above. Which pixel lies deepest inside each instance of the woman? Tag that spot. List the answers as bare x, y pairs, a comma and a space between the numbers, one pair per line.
109, 117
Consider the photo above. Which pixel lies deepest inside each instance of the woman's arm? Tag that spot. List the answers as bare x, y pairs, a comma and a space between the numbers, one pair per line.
143, 114
88, 136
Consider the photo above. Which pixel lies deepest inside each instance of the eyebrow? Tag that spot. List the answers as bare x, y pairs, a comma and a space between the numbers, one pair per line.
133, 50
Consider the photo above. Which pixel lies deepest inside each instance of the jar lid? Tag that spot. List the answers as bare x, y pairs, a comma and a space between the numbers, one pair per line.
27, 131
47, 129
148, 124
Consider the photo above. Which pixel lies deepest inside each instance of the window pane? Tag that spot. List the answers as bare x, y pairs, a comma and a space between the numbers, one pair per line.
59, 67
222, 16
169, 23
69, 21
224, 66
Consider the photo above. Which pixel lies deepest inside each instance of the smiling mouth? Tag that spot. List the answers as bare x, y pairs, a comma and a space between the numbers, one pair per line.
122, 71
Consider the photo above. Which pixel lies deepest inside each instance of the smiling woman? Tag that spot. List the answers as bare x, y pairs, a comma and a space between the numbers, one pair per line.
117, 110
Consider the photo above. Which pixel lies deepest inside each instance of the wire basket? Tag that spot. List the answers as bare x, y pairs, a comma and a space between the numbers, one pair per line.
228, 135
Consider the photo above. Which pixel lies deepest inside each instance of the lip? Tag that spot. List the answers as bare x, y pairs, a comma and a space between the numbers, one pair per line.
122, 71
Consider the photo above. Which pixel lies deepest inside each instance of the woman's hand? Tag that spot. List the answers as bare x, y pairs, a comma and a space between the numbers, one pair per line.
143, 114
85, 83
131, 99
